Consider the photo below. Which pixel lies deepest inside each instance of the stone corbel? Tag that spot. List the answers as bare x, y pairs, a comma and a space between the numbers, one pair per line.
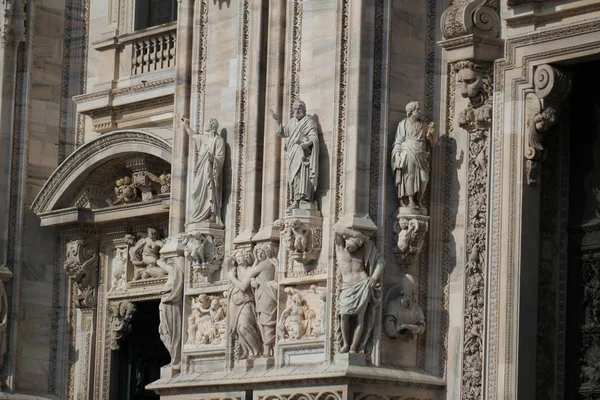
204, 249
301, 237
411, 229
551, 86
466, 17
120, 323
81, 264
470, 29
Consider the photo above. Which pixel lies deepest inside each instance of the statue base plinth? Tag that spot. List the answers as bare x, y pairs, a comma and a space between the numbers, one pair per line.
204, 250
356, 359
263, 364
410, 229
168, 372
243, 365
193, 226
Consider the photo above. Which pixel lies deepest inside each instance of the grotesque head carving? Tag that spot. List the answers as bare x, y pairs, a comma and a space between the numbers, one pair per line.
474, 82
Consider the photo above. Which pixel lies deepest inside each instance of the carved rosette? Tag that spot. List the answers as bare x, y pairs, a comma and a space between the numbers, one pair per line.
81, 265
410, 228
471, 17
551, 86
301, 237
204, 249
120, 322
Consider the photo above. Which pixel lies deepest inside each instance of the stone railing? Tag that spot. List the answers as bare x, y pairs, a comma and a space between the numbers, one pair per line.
153, 49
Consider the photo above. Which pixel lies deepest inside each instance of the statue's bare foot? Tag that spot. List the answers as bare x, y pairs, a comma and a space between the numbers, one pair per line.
352, 350
344, 349
412, 205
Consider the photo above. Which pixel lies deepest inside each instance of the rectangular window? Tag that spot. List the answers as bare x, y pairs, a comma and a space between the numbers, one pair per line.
154, 12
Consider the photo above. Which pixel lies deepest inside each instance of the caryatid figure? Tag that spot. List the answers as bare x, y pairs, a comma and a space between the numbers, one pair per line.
410, 156
361, 266
208, 171
302, 148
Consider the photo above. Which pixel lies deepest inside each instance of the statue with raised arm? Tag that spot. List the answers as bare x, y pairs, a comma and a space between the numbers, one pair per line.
241, 312
302, 149
207, 175
410, 156
361, 267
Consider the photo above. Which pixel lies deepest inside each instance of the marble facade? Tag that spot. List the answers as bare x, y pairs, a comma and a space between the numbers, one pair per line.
147, 181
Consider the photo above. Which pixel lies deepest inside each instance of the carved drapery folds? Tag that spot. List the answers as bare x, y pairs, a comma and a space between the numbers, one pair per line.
471, 17
81, 264
120, 323
303, 314
551, 86
144, 255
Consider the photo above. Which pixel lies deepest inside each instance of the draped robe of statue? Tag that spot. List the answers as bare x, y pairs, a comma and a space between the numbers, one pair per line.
171, 308
410, 158
206, 184
303, 164
266, 300
362, 296
241, 316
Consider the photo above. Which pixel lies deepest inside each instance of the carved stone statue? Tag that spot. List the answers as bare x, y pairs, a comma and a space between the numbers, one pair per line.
145, 254
262, 278
302, 148
207, 175
125, 191
410, 156
475, 85
297, 319
241, 312
403, 318
206, 323
82, 266
171, 308
119, 269
122, 314
361, 267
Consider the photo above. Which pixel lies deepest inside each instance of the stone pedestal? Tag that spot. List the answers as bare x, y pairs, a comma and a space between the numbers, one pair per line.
356, 359
410, 228
204, 249
301, 234
263, 364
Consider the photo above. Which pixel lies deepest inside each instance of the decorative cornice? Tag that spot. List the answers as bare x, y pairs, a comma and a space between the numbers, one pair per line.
94, 152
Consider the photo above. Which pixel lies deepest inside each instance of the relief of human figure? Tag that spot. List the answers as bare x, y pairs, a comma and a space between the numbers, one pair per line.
361, 267
207, 175
297, 319
171, 308
403, 317
410, 156
145, 254
241, 312
261, 277
302, 149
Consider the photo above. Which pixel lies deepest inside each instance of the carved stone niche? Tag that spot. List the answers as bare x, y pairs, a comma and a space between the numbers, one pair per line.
204, 249
301, 235
206, 322
81, 264
304, 314
120, 322
551, 87
410, 228
403, 318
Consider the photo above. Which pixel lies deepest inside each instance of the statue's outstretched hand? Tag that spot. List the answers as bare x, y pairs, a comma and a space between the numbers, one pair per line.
275, 116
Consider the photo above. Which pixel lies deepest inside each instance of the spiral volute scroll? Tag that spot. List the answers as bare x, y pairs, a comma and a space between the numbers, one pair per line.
466, 17
550, 83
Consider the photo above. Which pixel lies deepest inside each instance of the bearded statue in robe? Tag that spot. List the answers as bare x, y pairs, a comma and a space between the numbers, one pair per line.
410, 157
302, 149
207, 174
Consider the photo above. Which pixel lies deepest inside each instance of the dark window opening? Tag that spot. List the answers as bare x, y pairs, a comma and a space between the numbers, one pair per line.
150, 13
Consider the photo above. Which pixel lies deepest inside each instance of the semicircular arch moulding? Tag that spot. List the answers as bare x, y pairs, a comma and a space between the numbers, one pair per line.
93, 154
